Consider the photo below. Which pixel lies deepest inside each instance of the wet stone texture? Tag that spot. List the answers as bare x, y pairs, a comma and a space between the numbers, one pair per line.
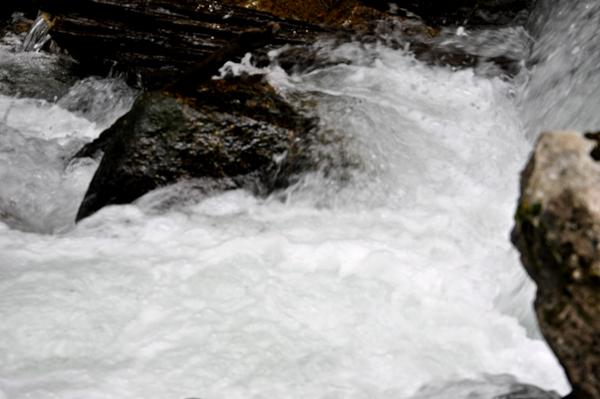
461, 12
236, 129
557, 232
434, 12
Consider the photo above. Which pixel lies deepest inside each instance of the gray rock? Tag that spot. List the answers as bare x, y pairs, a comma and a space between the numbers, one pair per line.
557, 232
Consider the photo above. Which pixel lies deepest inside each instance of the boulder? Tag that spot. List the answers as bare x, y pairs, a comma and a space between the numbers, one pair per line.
236, 130
557, 232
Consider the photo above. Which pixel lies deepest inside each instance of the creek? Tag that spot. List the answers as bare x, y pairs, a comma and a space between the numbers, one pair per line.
398, 281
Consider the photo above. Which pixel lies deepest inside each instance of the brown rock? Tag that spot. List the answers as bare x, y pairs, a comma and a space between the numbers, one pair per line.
312, 11
370, 19
557, 232
152, 41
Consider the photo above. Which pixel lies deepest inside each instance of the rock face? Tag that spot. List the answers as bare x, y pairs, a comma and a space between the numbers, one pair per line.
557, 232
237, 130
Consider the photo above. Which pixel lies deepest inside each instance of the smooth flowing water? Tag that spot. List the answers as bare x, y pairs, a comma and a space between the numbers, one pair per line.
398, 281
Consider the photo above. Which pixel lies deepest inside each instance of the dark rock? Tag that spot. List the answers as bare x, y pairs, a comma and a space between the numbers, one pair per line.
440, 13
28, 7
246, 41
434, 12
236, 129
501, 386
526, 391
595, 154
153, 42
17, 24
313, 11
557, 232
370, 19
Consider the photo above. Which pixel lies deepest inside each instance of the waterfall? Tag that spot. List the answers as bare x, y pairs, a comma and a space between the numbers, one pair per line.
398, 281
563, 89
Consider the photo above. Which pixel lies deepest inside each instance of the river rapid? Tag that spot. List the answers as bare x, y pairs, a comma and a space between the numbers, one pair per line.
398, 281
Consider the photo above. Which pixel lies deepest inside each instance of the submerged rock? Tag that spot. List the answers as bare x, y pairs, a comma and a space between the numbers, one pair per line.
501, 386
557, 232
236, 129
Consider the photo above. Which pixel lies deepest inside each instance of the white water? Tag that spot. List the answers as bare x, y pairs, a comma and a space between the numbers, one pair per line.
401, 278
563, 91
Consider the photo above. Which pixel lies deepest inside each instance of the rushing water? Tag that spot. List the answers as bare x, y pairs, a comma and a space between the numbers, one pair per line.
399, 282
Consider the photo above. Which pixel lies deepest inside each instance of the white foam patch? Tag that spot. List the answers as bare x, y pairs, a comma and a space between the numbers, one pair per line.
41, 119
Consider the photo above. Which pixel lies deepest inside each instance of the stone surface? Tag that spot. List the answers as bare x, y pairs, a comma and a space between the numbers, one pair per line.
153, 42
435, 12
313, 11
460, 12
370, 19
557, 232
236, 130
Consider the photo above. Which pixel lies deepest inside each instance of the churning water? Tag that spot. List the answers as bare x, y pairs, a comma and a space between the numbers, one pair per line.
397, 281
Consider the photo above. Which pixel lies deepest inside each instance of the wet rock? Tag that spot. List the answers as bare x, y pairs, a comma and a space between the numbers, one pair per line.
350, 14
557, 232
433, 12
370, 19
32, 74
501, 386
309, 11
17, 24
237, 130
526, 391
440, 13
153, 42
